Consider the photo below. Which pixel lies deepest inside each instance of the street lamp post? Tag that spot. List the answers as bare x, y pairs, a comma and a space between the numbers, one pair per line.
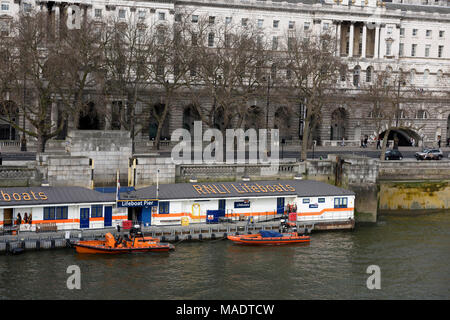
23, 141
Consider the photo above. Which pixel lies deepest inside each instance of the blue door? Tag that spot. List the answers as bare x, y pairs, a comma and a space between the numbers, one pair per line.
84, 218
108, 216
280, 205
222, 207
147, 216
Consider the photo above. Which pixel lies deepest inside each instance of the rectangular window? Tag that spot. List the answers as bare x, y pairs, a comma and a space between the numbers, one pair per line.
212, 20
122, 13
27, 7
291, 25
413, 50
440, 51
401, 48
402, 32
164, 207
306, 200
211, 40
194, 39
326, 26
428, 33
306, 26
178, 17
321, 200
275, 43
61, 213
276, 23
441, 34
228, 20
389, 30
49, 213
427, 50
244, 22
5, 6
388, 48
141, 14
260, 23
97, 211
340, 202
194, 19
414, 32
98, 13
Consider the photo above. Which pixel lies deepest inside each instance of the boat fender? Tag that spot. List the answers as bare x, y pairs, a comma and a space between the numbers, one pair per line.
189, 237
200, 237
213, 236
177, 238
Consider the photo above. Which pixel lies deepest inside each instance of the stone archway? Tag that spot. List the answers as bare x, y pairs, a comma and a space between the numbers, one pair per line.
339, 124
190, 115
282, 122
254, 119
8, 112
89, 119
406, 136
158, 109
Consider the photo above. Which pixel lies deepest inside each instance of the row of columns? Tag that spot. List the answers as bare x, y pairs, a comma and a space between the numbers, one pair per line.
364, 38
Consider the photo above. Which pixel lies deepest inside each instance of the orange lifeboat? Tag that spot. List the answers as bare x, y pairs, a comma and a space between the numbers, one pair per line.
112, 246
269, 238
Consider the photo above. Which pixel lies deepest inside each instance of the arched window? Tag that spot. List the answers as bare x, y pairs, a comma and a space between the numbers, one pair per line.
412, 76
421, 114
425, 76
369, 74
356, 74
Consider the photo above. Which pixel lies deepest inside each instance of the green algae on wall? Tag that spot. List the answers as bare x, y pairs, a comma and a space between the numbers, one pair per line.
410, 196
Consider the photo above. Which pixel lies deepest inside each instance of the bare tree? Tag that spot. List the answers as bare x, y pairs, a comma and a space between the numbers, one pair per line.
314, 68
387, 93
128, 50
34, 48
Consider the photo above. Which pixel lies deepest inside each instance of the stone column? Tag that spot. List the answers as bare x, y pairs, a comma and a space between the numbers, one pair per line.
377, 42
108, 116
338, 38
351, 39
364, 41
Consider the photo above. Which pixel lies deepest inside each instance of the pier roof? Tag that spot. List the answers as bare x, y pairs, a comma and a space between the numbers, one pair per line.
21, 196
241, 189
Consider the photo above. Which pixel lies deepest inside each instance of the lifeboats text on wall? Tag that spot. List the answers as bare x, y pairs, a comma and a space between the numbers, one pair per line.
22, 196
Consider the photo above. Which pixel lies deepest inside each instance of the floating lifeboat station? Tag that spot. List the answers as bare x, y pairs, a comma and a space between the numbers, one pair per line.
75, 208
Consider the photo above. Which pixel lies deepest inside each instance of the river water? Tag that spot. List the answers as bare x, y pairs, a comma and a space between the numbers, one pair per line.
412, 252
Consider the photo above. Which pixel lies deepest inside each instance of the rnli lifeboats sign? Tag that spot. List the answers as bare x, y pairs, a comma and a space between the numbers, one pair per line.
136, 203
233, 188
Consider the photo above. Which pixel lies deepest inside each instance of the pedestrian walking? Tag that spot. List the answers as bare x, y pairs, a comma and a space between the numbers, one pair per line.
378, 143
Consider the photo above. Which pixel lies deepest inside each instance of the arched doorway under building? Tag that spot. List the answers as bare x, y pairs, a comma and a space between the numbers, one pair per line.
89, 119
406, 137
190, 115
339, 124
8, 112
156, 113
282, 123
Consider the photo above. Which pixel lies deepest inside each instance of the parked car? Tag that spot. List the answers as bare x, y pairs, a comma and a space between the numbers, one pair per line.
393, 154
429, 154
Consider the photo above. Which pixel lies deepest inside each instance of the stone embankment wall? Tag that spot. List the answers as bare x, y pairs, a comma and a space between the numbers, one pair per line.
70, 171
110, 151
144, 171
16, 176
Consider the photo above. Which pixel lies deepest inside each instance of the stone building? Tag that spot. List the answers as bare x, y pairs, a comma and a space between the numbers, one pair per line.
408, 36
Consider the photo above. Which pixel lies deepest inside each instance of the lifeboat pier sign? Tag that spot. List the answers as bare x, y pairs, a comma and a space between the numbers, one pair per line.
136, 203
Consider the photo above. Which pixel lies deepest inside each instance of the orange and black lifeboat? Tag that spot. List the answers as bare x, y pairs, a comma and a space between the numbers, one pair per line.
115, 246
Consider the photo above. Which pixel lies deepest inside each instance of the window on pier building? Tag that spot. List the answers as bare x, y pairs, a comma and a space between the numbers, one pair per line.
340, 202
96, 211
55, 213
164, 207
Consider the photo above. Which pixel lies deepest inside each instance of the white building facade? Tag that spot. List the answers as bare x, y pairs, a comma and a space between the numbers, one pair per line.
412, 37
